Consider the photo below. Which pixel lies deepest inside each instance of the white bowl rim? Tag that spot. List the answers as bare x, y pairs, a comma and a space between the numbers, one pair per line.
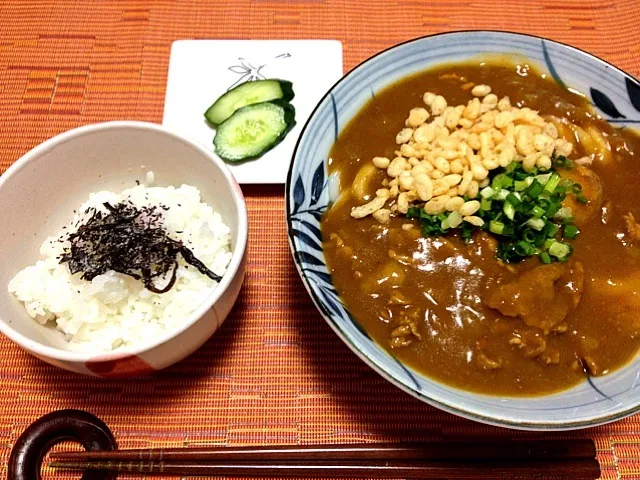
232, 270
449, 407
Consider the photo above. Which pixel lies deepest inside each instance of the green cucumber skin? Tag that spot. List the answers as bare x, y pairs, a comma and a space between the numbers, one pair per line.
287, 90
289, 120
286, 87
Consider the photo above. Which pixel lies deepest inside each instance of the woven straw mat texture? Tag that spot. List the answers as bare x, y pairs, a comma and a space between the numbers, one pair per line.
274, 372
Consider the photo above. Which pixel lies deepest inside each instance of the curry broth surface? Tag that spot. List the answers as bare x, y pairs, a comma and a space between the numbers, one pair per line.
446, 279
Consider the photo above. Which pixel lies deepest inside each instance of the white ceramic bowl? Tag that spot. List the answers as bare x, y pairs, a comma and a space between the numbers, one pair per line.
615, 94
39, 193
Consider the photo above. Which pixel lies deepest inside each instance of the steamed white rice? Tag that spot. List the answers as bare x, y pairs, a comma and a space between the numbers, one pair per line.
115, 310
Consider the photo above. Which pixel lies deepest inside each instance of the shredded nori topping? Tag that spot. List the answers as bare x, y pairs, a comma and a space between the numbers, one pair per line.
131, 241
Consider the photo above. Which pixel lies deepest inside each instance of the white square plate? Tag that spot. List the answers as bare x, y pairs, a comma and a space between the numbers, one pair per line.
202, 70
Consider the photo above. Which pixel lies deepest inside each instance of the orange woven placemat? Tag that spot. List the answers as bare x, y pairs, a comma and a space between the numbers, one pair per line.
275, 372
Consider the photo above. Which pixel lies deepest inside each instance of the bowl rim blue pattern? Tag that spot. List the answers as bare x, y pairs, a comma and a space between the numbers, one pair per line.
424, 396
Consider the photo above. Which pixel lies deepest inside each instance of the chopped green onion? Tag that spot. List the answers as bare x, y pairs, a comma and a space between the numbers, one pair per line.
535, 189
508, 231
487, 192
539, 240
496, 227
502, 195
521, 185
570, 232
559, 195
564, 212
559, 250
523, 248
524, 209
520, 174
536, 223
552, 210
552, 184
562, 162
538, 211
514, 199
509, 210
544, 203
414, 212
529, 235
551, 229
467, 231
496, 183
543, 179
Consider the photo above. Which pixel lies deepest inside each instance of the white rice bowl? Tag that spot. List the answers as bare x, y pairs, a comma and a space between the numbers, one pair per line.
115, 310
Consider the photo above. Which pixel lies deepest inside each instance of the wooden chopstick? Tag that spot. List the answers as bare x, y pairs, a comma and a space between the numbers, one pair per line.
583, 469
560, 459
468, 451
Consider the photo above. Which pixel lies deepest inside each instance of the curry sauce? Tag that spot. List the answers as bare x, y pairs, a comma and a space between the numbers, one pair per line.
474, 322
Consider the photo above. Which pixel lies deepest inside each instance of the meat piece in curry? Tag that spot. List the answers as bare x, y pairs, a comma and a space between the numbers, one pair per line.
444, 296
541, 297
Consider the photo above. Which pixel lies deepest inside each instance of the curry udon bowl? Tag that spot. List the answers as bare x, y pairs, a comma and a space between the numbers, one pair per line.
311, 190
38, 195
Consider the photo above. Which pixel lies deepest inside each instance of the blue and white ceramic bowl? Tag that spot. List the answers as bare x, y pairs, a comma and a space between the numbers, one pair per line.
309, 192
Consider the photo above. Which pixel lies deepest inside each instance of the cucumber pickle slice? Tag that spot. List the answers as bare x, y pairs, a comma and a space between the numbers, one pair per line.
254, 129
248, 93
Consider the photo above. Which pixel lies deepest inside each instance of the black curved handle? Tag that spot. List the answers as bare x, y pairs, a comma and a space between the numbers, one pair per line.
41, 435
